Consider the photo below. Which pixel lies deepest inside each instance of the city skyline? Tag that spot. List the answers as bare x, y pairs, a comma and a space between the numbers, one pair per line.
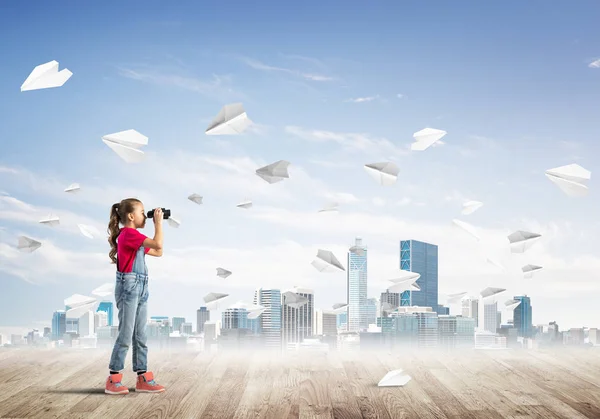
513, 106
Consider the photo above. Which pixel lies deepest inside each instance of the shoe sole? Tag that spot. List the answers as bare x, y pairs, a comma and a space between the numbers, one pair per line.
149, 391
115, 392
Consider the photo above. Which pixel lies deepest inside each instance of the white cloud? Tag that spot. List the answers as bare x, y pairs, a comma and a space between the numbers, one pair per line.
363, 99
378, 202
351, 142
400, 96
257, 65
404, 201
594, 64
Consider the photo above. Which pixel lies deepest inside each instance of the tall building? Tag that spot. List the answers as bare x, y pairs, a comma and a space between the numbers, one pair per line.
59, 324
270, 319
422, 258
234, 318
100, 319
177, 322
371, 311
357, 287
297, 323
107, 306
490, 317
522, 318
470, 308
202, 316
392, 298
325, 323
86, 324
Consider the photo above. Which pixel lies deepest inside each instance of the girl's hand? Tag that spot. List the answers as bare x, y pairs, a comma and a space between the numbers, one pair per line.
158, 216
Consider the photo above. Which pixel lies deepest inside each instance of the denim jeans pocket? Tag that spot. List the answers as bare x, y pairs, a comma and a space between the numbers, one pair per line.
128, 283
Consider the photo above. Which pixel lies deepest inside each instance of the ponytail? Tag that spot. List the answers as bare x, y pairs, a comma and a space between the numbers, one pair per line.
113, 231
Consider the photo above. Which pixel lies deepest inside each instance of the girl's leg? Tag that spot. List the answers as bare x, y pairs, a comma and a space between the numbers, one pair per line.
127, 302
139, 349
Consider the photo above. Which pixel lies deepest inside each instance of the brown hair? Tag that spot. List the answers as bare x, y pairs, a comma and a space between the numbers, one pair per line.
118, 214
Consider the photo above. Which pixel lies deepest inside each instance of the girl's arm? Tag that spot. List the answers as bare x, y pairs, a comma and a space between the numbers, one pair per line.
156, 243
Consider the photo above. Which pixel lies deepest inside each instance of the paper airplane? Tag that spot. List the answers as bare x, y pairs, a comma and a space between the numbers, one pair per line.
529, 270
395, 378
512, 304
86, 230
470, 207
400, 275
327, 262
494, 262
426, 138
455, 298
491, 292
331, 207
254, 314
571, 179
385, 173
254, 311
274, 172
195, 198
340, 308
126, 144
231, 120
104, 290
50, 221
467, 227
28, 245
246, 204
46, 76
388, 307
73, 188
79, 305
212, 299
521, 241
404, 285
223, 273
294, 300
173, 222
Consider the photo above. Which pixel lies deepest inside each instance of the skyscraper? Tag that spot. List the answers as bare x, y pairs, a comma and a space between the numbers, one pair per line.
202, 316
357, 287
490, 317
422, 258
470, 308
59, 324
392, 298
270, 323
523, 321
297, 323
107, 306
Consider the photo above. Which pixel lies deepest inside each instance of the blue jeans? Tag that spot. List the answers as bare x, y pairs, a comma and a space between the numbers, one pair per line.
131, 295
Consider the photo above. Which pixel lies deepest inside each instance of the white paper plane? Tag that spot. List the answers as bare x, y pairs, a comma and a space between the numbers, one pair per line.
293, 299
571, 179
404, 285
223, 273
520, 241
213, 299
330, 207
73, 188
327, 262
195, 198
426, 138
395, 378
104, 290
274, 172
28, 245
467, 227
173, 222
246, 204
388, 307
51, 220
127, 144
455, 298
491, 292
385, 173
494, 262
46, 76
400, 275
530, 270
340, 308
77, 300
470, 207
77, 312
86, 230
231, 120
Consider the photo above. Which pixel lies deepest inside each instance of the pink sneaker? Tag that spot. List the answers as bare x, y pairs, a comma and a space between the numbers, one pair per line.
114, 386
146, 384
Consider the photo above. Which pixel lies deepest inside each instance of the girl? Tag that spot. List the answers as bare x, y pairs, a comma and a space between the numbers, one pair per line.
131, 291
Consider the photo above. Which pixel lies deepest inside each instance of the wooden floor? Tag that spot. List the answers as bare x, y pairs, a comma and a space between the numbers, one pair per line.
472, 384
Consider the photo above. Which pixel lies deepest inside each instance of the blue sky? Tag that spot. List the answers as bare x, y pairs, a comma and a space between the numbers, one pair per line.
510, 82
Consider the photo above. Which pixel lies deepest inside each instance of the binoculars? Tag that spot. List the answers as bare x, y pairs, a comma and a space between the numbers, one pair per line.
166, 213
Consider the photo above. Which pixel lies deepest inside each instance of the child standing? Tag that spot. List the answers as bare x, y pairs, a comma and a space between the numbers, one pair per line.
131, 291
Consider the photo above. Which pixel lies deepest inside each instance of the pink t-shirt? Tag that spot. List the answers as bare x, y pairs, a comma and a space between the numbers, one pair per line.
128, 243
